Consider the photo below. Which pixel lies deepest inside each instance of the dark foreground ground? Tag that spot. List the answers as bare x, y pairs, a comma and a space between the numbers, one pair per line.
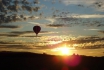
32, 61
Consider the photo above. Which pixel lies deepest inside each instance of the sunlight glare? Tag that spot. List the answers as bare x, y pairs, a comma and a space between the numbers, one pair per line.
64, 50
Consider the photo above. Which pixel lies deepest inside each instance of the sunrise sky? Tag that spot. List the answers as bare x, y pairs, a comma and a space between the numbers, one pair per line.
78, 24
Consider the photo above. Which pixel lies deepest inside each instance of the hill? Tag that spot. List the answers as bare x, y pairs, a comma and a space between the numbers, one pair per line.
34, 61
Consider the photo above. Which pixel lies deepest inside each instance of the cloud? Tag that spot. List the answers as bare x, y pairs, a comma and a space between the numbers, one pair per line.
9, 35
91, 42
67, 18
13, 10
35, 23
67, 2
101, 32
75, 16
53, 24
15, 47
84, 2
25, 45
16, 42
73, 20
51, 20
22, 45
15, 33
89, 16
28, 32
57, 25
24, 33
92, 29
47, 32
9, 26
98, 5
21, 32
31, 36
77, 19
43, 47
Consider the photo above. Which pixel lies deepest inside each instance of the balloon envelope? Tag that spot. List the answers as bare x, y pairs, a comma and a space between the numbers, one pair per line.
36, 29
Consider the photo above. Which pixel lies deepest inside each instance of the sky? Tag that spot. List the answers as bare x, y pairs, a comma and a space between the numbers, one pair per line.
77, 24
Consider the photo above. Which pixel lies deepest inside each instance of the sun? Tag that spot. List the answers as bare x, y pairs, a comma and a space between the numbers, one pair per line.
63, 50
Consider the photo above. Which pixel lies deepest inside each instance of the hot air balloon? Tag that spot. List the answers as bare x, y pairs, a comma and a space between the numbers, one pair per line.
36, 29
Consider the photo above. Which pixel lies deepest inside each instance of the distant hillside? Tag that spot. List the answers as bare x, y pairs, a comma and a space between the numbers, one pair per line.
35, 61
